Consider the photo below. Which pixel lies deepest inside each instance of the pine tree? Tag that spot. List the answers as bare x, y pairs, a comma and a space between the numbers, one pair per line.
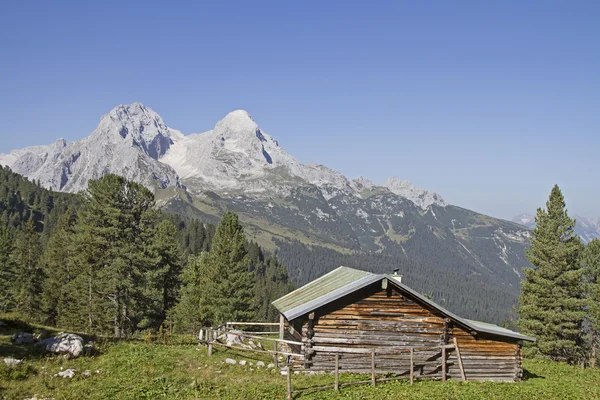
164, 276
591, 265
115, 232
58, 262
7, 271
229, 293
551, 305
190, 313
29, 276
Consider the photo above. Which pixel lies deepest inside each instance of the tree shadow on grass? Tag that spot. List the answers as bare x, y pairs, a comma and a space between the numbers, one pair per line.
530, 375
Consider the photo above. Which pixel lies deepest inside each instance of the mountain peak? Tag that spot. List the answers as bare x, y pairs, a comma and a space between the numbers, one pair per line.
236, 121
422, 198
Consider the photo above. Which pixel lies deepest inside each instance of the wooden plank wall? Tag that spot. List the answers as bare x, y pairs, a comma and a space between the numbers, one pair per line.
376, 318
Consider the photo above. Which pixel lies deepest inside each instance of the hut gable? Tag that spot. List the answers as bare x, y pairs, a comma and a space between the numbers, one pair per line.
349, 311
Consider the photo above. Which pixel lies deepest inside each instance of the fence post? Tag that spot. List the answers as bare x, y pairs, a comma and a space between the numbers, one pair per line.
412, 365
373, 367
209, 335
289, 380
275, 358
337, 372
443, 362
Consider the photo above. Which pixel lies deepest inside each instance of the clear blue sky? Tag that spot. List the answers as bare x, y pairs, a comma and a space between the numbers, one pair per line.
487, 104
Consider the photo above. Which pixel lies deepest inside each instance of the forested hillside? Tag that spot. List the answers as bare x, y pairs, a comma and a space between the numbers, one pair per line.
108, 260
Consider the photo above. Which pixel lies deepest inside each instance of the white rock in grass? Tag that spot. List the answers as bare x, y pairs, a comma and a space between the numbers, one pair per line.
230, 361
65, 343
270, 366
12, 362
67, 373
243, 362
260, 364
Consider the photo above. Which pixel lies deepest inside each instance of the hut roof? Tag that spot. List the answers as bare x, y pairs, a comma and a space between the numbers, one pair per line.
343, 281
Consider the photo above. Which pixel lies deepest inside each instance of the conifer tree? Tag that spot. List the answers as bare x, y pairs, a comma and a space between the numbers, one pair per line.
115, 234
551, 305
58, 262
229, 293
164, 276
190, 313
7, 271
28, 272
591, 264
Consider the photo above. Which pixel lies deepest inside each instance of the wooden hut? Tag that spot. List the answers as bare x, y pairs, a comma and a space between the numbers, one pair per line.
351, 311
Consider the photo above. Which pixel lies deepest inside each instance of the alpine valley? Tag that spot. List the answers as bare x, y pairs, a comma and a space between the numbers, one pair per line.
314, 218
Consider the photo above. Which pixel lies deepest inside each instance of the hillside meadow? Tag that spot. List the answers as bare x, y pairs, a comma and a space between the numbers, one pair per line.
177, 368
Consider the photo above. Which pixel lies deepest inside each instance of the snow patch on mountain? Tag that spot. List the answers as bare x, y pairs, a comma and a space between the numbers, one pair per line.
236, 156
127, 141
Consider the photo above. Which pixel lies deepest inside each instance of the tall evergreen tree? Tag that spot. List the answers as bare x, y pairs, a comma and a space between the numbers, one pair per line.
190, 313
7, 271
551, 305
29, 275
58, 262
164, 276
229, 294
591, 264
115, 234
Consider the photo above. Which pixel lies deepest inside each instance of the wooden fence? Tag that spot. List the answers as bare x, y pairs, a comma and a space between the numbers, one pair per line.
209, 337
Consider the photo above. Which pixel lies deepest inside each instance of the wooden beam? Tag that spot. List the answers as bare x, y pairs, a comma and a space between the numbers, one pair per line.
281, 326
460, 363
373, 382
337, 372
443, 363
289, 381
412, 366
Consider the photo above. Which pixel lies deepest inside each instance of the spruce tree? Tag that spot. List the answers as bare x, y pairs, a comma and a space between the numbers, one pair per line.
115, 233
164, 276
591, 264
551, 305
229, 293
58, 261
7, 271
28, 273
190, 313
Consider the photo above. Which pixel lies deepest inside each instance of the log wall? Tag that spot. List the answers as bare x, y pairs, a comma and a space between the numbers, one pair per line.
385, 320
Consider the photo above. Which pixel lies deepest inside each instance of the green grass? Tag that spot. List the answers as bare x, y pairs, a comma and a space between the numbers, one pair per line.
136, 370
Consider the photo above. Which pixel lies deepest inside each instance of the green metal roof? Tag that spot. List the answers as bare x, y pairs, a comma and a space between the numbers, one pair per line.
333, 281
343, 281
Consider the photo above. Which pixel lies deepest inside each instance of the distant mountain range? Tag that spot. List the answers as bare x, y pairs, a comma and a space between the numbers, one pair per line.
587, 228
313, 216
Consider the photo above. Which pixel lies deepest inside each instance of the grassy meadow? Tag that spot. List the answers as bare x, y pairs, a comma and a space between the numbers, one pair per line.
145, 369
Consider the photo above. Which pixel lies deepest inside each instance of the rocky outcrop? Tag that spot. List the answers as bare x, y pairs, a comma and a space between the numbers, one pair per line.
65, 343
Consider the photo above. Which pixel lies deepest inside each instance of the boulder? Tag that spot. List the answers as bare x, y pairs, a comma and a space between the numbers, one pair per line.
65, 343
22, 338
260, 364
270, 366
67, 373
231, 338
230, 361
243, 362
12, 362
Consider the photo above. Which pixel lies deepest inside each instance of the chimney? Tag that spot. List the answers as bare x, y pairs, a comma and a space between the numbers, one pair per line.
397, 277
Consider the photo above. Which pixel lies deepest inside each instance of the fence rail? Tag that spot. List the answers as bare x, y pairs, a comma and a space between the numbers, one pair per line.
209, 336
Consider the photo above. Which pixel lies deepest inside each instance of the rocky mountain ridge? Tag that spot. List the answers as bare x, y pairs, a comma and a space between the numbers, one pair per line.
587, 228
299, 210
